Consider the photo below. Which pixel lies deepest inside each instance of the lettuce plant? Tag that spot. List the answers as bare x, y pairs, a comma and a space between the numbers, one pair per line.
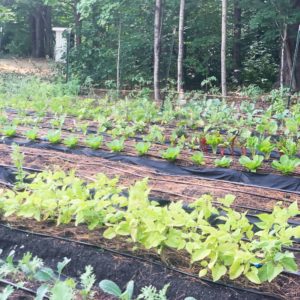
285, 164
94, 142
266, 147
224, 162
214, 139
171, 153
287, 146
54, 136
10, 131
116, 145
71, 141
198, 158
142, 148
251, 144
31, 134
251, 164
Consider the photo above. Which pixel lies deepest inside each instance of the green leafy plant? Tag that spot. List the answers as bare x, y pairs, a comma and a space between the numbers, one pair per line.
171, 153
54, 137
71, 141
94, 141
112, 288
251, 164
116, 145
251, 144
142, 148
10, 131
151, 292
287, 146
266, 147
224, 162
18, 160
31, 134
198, 158
214, 139
285, 164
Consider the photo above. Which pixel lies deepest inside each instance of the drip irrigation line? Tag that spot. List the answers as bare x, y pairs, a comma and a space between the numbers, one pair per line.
149, 261
18, 287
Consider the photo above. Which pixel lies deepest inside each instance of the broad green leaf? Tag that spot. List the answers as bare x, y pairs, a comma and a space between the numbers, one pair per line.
218, 271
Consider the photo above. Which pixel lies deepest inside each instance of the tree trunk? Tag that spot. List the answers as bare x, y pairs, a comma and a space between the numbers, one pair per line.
290, 44
118, 58
41, 31
157, 29
237, 32
78, 23
282, 63
223, 48
180, 48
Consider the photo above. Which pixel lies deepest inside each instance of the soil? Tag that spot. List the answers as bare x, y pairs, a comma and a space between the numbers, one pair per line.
29, 66
121, 269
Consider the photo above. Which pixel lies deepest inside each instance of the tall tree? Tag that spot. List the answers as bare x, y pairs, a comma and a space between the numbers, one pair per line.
157, 42
180, 47
237, 32
223, 49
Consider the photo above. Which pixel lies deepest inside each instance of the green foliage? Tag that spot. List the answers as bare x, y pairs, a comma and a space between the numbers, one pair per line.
285, 164
151, 293
32, 134
171, 153
251, 164
94, 142
71, 141
112, 288
224, 162
116, 145
10, 131
142, 148
214, 140
18, 160
198, 158
54, 136
266, 146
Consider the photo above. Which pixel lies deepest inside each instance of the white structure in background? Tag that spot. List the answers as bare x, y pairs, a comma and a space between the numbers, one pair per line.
61, 43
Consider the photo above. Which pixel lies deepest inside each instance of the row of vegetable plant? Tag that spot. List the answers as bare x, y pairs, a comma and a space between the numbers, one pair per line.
231, 247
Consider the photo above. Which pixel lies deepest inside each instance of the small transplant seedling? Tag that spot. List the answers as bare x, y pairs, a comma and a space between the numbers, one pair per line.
10, 131
18, 159
54, 137
251, 164
116, 145
142, 148
31, 134
214, 140
224, 162
94, 142
171, 153
285, 164
71, 142
266, 147
112, 288
198, 158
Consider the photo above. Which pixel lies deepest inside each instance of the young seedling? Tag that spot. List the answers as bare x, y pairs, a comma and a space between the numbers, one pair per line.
31, 134
71, 141
198, 158
142, 148
285, 164
112, 288
224, 162
54, 137
94, 141
171, 153
251, 164
214, 139
116, 145
18, 159
10, 131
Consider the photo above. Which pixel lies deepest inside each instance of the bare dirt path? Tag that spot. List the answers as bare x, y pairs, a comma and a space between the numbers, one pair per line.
27, 66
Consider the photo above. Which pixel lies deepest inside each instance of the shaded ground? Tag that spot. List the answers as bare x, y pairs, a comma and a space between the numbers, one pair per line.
39, 67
